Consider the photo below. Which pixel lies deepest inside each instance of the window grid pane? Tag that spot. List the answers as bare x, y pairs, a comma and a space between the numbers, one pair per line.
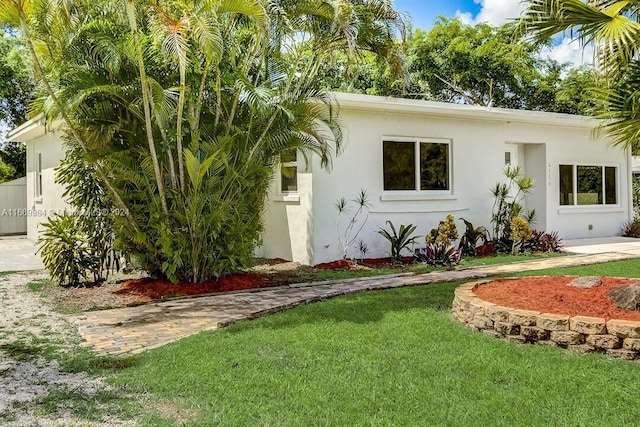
566, 185
399, 165
434, 166
589, 185
289, 179
610, 185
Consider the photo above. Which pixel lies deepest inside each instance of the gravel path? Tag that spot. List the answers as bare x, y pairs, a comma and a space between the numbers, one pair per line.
28, 328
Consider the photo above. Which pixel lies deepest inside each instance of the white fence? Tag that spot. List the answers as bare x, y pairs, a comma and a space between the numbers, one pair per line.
13, 206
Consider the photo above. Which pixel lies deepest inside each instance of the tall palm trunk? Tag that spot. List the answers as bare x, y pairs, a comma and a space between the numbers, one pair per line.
146, 101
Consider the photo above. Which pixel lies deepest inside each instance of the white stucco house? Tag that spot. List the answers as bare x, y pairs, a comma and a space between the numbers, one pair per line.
418, 161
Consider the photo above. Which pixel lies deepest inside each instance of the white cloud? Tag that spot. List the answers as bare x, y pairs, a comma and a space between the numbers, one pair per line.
569, 51
498, 12
494, 12
465, 17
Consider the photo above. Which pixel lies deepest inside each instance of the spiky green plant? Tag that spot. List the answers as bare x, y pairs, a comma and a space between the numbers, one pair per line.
399, 240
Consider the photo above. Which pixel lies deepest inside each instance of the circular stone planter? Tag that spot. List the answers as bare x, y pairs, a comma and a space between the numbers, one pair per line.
617, 338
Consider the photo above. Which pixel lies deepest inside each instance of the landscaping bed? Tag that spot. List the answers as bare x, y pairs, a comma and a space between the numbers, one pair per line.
549, 310
123, 290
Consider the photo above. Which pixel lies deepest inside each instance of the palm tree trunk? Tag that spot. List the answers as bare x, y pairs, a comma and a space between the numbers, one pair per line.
146, 101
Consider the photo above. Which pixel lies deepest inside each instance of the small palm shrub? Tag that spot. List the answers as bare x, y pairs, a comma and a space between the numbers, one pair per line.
399, 240
65, 250
508, 203
348, 232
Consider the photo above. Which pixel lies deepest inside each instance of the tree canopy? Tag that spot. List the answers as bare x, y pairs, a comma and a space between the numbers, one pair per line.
613, 27
181, 110
474, 64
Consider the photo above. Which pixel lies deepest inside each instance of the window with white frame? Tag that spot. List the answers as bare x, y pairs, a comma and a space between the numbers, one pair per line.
582, 185
421, 165
288, 173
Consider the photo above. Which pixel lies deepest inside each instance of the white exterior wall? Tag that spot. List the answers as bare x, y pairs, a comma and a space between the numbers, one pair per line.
13, 205
478, 163
288, 220
51, 200
577, 222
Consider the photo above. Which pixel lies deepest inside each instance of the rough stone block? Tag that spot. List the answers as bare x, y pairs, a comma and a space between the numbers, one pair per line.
588, 325
548, 343
506, 328
523, 317
604, 341
467, 286
519, 339
472, 327
565, 338
581, 348
497, 313
623, 354
627, 297
585, 282
482, 322
632, 344
553, 322
624, 328
534, 333
479, 307
492, 333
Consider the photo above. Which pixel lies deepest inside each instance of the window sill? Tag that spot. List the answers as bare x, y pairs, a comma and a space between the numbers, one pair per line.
287, 198
592, 209
416, 197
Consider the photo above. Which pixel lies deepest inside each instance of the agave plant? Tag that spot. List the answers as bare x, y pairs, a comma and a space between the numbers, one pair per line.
399, 240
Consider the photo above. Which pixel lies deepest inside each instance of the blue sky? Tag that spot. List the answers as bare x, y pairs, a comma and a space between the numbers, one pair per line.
494, 12
424, 12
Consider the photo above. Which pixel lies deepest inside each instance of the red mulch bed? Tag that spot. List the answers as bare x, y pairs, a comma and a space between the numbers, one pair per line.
552, 295
159, 289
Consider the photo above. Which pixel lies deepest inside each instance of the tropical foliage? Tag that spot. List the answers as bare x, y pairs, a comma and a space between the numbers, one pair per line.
16, 85
347, 227
613, 27
399, 240
509, 197
182, 110
474, 64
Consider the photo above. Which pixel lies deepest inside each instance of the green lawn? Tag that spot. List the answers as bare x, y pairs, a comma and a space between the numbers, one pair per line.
391, 357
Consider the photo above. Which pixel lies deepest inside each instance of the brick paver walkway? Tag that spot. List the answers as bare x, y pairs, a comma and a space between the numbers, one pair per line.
135, 329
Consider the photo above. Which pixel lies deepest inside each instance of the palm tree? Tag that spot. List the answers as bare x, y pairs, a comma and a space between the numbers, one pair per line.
183, 109
613, 27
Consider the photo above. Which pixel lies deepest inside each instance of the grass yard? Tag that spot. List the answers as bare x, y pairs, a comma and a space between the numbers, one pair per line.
391, 357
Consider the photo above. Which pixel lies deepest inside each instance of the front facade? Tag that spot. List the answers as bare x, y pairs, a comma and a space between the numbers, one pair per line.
418, 161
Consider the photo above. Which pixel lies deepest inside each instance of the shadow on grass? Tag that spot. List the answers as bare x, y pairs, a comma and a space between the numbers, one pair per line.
360, 308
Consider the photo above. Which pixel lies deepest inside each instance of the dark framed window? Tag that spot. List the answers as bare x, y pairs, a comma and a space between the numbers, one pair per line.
288, 173
584, 185
423, 165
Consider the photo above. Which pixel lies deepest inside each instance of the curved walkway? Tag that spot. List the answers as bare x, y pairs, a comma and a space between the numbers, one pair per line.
132, 330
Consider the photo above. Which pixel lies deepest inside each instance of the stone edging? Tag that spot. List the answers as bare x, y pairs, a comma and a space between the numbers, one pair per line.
617, 338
